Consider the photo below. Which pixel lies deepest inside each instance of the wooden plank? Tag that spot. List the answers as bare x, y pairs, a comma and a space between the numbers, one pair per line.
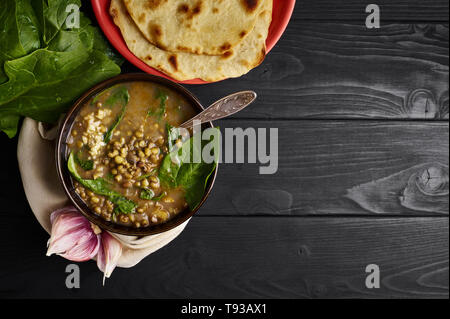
341, 70
340, 167
399, 10
322, 165
253, 258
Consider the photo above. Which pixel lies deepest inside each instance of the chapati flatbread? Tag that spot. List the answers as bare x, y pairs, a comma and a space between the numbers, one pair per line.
209, 27
186, 66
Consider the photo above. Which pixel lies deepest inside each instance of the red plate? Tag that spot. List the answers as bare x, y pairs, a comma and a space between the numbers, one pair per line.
282, 11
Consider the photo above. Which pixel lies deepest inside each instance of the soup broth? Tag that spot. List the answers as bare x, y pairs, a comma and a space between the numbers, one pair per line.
119, 139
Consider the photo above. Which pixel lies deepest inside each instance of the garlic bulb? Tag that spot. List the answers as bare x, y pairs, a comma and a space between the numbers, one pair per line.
108, 254
75, 238
72, 236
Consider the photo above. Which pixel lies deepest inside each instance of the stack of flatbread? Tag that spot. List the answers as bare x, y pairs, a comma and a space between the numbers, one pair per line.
188, 39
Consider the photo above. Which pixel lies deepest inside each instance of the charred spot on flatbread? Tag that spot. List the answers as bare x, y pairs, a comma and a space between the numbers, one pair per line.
250, 5
183, 8
173, 61
156, 31
227, 54
188, 12
154, 4
225, 47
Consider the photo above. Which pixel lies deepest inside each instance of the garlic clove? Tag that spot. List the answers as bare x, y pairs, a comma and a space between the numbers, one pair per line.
108, 254
72, 236
60, 211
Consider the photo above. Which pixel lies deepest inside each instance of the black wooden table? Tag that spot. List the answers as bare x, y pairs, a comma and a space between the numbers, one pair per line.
359, 112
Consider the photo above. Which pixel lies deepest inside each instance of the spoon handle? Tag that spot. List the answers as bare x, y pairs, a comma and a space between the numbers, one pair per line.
224, 107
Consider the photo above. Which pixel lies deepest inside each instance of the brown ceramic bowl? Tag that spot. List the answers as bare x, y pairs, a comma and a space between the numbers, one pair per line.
62, 156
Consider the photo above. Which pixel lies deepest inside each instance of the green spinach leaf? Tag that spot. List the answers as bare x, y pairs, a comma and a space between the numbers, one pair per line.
87, 165
28, 25
147, 193
20, 33
45, 101
8, 123
159, 112
108, 134
173, 134
43, 65
123, 204
118, 96
159, 197
55, 16
101, 94
178, 169
102, 187
152, 173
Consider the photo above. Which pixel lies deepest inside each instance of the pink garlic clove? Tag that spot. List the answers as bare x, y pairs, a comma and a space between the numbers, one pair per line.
72, 236
108, 254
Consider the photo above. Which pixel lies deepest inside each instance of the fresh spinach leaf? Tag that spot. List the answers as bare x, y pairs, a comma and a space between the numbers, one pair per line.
159, 112
87, 165
178, 169
123, 204
8, 123
118, 96
110, 177
171, 164
159, 197
101, 44
102, 187
173, 133
45, 101
162, 96
20, 33
27, 25
147, 193
98, 186
122, 96
55, 16
43, 65
101, 94
109, 132
193, 178
140, 178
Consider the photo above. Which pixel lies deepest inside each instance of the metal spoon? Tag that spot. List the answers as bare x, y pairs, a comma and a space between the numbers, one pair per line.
224, 107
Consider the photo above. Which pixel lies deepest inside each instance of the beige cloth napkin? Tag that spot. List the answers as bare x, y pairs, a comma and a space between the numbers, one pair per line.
36, 156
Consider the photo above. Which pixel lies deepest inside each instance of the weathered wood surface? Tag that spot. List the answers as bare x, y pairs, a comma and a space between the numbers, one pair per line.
253, 258
377, 187
398, 10
342, 70
325, 167
340, 167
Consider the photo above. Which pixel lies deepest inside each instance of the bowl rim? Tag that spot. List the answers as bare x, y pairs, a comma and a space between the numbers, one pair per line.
67, 181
